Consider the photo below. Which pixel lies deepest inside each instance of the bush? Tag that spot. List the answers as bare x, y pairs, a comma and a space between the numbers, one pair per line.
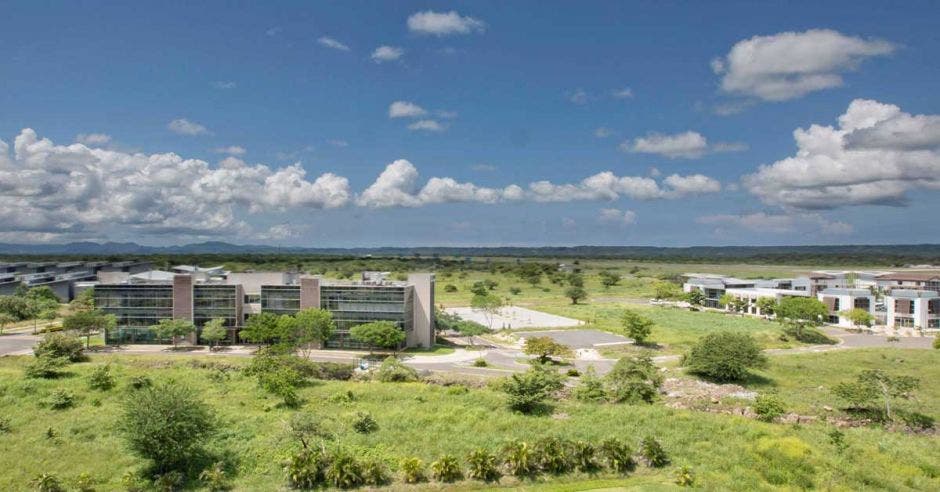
375, 472
482, 466
515, 291
724, 356
481, 362
916, 421
46, 366
573, 373
344, 470
518, 459
450, 288
4, 425
140, 382
47, 482
591, 387
364, 423
412, 470
283, 383
61, 399
305, 469
527, 391
652, 451
634, 380
936, 342
584, 456
59, 345
446, 469
768, 407
84, 482
685, 477
553, 455
101, 378
808, 334
169, 482
617, 454
393, 371
214, 478
166, 424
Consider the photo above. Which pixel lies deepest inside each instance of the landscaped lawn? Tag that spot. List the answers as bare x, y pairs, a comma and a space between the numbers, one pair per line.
416, 419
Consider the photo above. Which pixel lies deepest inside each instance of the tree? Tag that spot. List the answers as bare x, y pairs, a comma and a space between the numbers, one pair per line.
545, 348
470, 329
726, 300
479, 289
767, 305
724, 356
87, 323
40, 306
634, 380
15, 306
214, 331
638, 327
382, 334
60, 345
261, 328
490, 305
874, 384
609, 278
313, 326
575, 293
174, 329
84, 301
5, 319
44, 293
526, 391
858, 317
798, 313
167, 424
695, 297
666, 290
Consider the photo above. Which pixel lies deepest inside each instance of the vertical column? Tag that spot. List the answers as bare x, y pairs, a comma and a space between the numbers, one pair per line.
309, 292
183, 300
423, 311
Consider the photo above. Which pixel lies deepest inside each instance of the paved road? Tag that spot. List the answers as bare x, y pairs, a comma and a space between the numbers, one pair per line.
17, 344
864, 340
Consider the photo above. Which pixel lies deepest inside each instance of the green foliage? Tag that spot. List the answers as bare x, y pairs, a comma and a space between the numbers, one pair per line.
936, 342
786, 461
87, 323
617, 455
344, 470
261, 328
61, 399
545, 348
653, 453
553, 455
724, 356
483, 466
375, 472
380, 334
526, 391
837, 439
518, 459
412, 470
364, 423
872, 385
393, 371
450, 288
807, 310
312, 326
481, 362
695, 297
5, 425
139, 382
488, 303
685, 477
446, 469
634, 380
584, 456
768, 407
173, 329
306, 468
214, 478
637, 326
58, 345
17, 307
667, 290
47, 482
609, 278
214, 331
101, 378
84, 482
807, 334
515, 291
46, 367
282, 382
166, 423
858, 316
767, 305
576, 294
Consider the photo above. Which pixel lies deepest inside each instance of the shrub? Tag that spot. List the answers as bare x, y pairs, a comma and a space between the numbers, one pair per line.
283, 383
515, 291
553, 455
936, 342
685, 477
47, 482
634, 380
916, 421
724, 356
132, 482
518, 460
61, 399
46, 366
84, 482
450, 288
584, 456
375, 472
457, 389
481, 362
344, 397
808, 334
364, 423
573, 373
166, 424
544, 348
4, 425
652, 451
305, 469
344, 470
214, 478
140, 382
482, 466
617, 454
527, 391
591, 387
393, 371
169, 482
446, 469
412, 470
101, 378
768, 407
637, 326
60, 345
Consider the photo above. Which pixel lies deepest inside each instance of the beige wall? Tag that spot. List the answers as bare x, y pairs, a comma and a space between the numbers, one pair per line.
183, 300
253, 281
422, 334
309, 292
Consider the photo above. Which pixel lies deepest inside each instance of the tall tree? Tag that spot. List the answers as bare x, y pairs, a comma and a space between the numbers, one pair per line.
575, 293
87, 323
798, 313
214, 331
489, 304
174, 329
858, 316
261, 328
313, 326
638, 327
379, 334
5, 319
545, 348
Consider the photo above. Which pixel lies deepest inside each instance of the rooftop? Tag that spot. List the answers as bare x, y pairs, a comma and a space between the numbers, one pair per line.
847, 292
914, 294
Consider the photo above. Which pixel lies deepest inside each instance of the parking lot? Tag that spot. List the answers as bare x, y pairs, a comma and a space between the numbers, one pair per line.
579, 339
514, 317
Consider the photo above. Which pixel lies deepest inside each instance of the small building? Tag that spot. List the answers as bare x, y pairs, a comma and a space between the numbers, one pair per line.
839, 300
913, 309
714, 286
923, 280
752, 294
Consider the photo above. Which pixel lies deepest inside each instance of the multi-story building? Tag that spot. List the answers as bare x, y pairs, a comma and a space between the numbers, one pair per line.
235, 298
913, 309
923, 280
750, 295
714, 286
838, 301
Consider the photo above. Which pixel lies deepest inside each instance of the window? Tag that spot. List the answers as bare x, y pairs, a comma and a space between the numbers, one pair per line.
863, 303
835, 304
252, 298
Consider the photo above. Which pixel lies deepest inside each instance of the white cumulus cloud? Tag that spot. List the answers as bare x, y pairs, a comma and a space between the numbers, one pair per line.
332, 43
427, 126
182, 126
231, 150
685, 145
93, 138
387, 53
443, 23
405, 109
617, 216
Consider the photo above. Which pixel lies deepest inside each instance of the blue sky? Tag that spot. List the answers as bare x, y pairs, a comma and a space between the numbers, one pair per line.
257, 123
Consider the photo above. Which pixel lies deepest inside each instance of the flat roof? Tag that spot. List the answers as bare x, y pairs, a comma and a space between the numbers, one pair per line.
847, 292
913, 294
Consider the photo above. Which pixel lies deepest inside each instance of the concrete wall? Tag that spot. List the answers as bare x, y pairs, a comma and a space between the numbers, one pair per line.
252, 281
309, 292
422, 333
183, 300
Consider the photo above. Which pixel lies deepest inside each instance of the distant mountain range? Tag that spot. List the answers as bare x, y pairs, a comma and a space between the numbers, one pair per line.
922, 253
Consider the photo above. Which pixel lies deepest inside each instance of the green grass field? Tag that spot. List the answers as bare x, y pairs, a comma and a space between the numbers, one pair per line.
416, 419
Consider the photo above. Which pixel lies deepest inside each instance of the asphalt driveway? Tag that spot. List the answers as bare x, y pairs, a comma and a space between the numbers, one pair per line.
17, 344
579, 339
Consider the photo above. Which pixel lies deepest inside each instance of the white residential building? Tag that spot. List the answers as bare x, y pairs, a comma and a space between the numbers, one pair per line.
840, 300
752, 294
913, 309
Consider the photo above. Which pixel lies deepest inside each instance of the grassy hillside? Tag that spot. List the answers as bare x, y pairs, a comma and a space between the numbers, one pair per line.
416, 419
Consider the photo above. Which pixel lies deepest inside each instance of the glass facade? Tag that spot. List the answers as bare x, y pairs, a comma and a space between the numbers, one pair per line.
280, 299
216, 301
137, 308
354, 305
